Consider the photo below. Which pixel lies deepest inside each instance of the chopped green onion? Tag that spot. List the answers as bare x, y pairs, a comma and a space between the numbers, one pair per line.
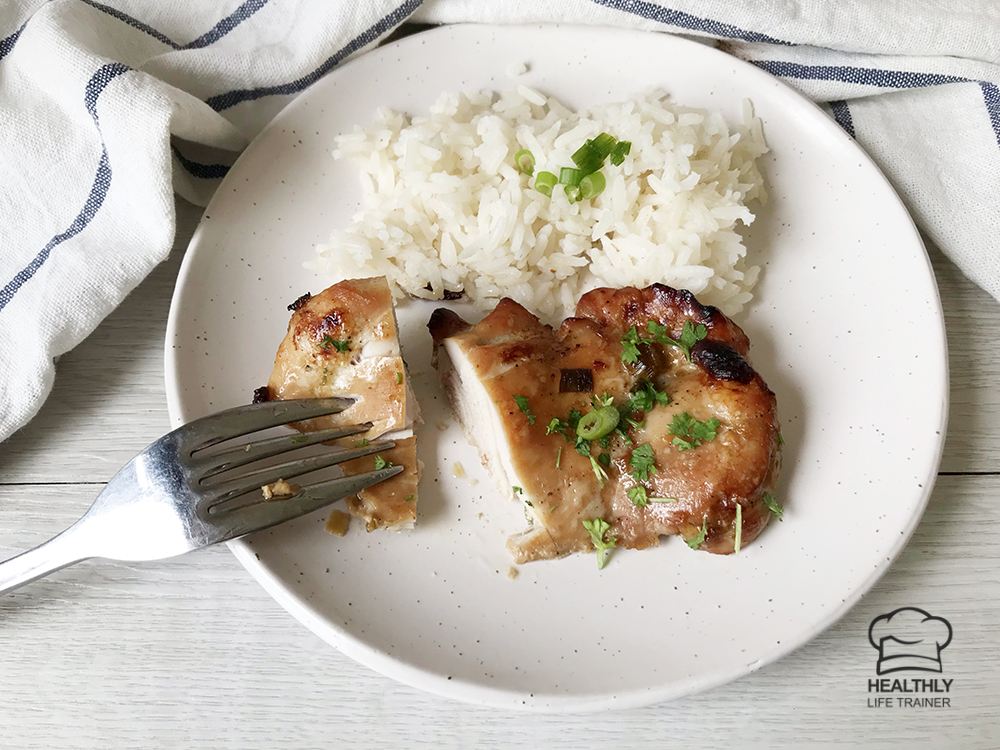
598, 423
588, 158
620, 151
525, 161
544, 182
592, 186
604, 143
570, 176
572, 193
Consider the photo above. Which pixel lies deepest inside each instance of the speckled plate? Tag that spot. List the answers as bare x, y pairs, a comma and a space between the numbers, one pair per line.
846, 328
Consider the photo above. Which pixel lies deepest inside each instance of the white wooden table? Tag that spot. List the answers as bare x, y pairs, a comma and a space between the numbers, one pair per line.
191, 653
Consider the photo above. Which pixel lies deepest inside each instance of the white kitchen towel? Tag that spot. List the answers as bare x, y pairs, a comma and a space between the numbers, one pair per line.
108, 108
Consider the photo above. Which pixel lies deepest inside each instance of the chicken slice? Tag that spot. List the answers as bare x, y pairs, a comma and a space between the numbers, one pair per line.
515, 383
344, 341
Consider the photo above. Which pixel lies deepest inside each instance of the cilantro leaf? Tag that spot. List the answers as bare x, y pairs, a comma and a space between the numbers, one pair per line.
638, 496
696, 541
381, 463
329, 342
522, 404
645, 397
517, 490
574, 419
582, 446
597, 529
599, 471
642, 461
556, 425
689, 433
630, 346
690, 335
772, 505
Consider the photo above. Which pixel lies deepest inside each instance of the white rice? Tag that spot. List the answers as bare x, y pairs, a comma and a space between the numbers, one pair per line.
445, 206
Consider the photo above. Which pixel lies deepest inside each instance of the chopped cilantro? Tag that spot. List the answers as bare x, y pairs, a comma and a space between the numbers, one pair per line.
340, 346
645, 397
630, 346
781, 440
689, 433
599, 402
296, 439
517, 490
690, 335
597, 529
558, 456
407, 498
642, 461
604, 459
574, 419
772, 505
599, 471
522, 404
638, 496
582, 446
381, 463
362, 444
556, 425
696, 541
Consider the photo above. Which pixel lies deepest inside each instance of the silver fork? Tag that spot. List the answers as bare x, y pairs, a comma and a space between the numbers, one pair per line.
180, 494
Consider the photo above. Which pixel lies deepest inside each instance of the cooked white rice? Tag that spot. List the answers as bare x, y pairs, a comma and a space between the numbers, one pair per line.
445, 206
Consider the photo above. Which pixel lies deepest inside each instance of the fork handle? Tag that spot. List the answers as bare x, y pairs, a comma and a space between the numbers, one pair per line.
57, 553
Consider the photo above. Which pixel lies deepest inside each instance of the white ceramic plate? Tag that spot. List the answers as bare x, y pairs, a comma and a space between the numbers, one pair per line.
846, 328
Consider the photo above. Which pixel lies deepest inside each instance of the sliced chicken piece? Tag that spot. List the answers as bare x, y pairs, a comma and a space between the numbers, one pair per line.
394, 503
512, 380
344, 341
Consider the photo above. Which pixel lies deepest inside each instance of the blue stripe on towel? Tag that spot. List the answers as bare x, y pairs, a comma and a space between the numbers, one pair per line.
196, 169
895, 79
229, 99
671, 17
227, 24
991, 95
6, 45
133, 22
98, 190
211, 36
842, 115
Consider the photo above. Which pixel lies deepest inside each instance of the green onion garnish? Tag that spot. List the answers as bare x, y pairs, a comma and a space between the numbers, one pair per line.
604, 144
620, 151
598, 423
570, 176
525, 161
588, 158
544, 182
592, 186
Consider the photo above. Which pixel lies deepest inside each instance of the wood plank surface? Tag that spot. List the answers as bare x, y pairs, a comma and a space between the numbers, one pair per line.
193, 653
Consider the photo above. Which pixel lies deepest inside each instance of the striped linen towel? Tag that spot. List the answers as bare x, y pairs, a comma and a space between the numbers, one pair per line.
109, 108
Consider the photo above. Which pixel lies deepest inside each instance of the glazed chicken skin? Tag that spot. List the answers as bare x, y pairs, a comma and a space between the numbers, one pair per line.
343, 341
692, 488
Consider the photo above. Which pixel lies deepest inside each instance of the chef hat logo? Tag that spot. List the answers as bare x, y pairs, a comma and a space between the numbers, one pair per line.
909, 638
